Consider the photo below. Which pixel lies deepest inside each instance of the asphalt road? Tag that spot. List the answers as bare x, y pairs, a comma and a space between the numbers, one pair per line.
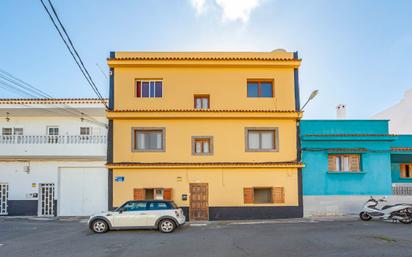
43, 238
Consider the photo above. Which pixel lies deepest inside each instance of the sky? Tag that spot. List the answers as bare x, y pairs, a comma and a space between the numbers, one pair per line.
355, 52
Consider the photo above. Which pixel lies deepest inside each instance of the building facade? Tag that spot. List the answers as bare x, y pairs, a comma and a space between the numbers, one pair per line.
401, 159
346, 161
399, 115
214, 132
52, 157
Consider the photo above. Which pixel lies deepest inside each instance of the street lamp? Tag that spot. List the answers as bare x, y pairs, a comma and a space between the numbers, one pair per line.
312, 95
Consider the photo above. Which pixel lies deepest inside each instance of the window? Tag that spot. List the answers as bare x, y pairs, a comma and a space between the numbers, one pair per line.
257, 88
202, 102
406, 171
7, 131
12, 131
53, 131
18, 131
85, 131
149, 88
158, 206
262, 195
344, 162
152, 194
202, 145
261, 139
134, 206
148, 140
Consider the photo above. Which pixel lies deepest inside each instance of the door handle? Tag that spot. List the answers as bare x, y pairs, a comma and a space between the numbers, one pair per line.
143, 213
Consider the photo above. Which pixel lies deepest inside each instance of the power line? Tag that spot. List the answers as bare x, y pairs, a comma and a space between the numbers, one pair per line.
24, 88
72, 50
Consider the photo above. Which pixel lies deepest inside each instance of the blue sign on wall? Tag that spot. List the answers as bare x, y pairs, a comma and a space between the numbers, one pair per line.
119, 179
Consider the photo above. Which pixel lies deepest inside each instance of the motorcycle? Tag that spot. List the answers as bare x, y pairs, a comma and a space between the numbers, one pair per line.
398, 212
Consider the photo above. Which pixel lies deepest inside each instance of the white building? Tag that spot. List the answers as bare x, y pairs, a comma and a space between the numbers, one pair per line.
52, 157
400, 115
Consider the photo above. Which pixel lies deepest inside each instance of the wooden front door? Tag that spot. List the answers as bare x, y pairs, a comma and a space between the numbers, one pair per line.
199, 201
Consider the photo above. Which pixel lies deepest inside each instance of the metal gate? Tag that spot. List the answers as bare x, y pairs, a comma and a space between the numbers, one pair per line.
4, 195
46, 199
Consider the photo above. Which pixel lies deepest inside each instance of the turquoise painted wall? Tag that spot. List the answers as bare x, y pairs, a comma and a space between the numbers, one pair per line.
375, 175
398, 157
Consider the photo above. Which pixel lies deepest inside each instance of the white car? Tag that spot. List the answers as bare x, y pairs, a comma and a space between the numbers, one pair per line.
151, 214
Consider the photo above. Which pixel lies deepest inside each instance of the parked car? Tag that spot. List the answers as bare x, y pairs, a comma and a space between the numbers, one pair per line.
152, 214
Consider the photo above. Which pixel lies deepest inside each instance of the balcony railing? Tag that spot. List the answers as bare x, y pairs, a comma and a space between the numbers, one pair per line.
402, 189
45, 139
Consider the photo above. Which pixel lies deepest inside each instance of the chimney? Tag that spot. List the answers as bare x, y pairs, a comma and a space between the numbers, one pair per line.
341, 112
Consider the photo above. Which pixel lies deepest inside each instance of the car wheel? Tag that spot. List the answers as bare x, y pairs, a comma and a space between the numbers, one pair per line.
167, 226
406, 220
99, 226
364, 216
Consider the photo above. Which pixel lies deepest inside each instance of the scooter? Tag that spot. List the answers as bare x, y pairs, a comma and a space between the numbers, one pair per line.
399, 212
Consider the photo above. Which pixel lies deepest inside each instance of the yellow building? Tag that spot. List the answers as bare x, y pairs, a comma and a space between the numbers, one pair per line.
215, 132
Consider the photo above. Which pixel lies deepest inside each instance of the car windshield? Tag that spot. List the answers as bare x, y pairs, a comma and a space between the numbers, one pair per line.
174, 205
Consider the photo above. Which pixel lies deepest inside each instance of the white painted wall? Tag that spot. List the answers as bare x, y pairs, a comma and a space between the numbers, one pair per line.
84, 183
342, 205
400, 115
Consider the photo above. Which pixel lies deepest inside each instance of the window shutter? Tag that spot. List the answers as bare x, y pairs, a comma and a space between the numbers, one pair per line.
354, 163
248, 195
138, 194
167, 194
403, 170
278, 195
332, 163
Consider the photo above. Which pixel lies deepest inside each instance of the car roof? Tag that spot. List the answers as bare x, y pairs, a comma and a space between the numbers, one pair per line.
160, 201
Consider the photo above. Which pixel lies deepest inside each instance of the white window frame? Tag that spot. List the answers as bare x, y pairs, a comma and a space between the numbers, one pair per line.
261, 130
146, 129
89, 131
148, 81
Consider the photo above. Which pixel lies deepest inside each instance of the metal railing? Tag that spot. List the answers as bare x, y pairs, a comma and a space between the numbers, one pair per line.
402, 189
61, 139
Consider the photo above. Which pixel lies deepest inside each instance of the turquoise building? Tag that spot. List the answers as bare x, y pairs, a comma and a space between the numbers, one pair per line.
346, 161
401, 165
346, 157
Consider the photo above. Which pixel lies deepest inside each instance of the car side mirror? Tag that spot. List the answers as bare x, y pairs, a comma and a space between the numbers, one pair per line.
120, 210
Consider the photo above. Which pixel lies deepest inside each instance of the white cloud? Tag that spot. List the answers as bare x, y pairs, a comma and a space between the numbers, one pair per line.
237, 9
233, 10
199, 5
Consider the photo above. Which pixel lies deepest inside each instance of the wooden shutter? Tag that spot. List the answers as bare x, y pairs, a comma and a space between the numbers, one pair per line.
278, 195
332, 163
403, 170
354, 162
167, 194
248, 195
138, 194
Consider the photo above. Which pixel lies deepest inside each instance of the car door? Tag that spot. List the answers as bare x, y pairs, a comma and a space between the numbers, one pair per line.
155, 210
132, 214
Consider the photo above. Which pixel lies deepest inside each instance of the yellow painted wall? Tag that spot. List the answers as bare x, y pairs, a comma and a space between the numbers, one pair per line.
228, 140
225, 185
227, 87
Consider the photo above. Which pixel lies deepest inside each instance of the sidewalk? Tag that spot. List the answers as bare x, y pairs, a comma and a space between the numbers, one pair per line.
313, 219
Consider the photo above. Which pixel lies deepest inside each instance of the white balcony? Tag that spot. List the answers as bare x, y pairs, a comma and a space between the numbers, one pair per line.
62, 146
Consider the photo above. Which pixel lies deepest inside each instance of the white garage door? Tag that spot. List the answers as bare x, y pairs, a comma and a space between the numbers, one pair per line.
82, 191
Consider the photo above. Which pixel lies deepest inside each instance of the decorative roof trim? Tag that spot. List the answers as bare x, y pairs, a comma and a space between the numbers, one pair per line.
350, 135
182, 164
402, 149
169, 58
51, 101
202, 110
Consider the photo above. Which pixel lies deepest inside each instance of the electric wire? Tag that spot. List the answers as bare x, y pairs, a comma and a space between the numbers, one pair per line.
79, 62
